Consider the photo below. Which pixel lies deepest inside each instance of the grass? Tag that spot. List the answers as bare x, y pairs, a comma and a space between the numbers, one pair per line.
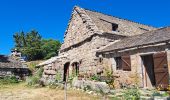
22, 92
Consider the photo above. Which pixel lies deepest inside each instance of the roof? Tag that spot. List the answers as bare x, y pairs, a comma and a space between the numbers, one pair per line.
125, 27
99, 23
51, 60
9, 62
152, 37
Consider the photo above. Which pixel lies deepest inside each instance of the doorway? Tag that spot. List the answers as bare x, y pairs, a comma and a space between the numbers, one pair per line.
155, 70
66, 71
149, 75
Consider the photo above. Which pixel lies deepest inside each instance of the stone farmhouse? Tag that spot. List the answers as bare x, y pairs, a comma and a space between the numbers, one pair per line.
95, 43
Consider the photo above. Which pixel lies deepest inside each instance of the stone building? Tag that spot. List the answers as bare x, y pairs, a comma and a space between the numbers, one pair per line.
87, 33
10, 67
143, 59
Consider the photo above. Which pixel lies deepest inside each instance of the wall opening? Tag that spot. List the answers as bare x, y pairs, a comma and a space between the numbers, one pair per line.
114, 27
75, 67
66, 71
149, 75
123, 63
155, 70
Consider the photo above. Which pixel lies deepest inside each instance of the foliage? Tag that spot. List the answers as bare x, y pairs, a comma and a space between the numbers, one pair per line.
58, 76
165, 94
87, 87
34, 79
50, 48
95, 77
110, 78
9, 80
132, 94
33, 47
72, 76
54, 85
32, 66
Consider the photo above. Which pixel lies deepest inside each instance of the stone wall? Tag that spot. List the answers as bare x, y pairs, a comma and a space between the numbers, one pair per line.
18, 72
83, 38
136, 74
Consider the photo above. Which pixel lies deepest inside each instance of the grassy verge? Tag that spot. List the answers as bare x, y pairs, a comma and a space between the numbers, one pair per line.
22, 92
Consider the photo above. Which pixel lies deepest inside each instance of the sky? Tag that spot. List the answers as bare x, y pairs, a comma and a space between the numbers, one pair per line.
50, 17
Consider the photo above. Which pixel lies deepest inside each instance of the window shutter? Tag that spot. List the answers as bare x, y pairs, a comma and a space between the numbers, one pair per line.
126, 63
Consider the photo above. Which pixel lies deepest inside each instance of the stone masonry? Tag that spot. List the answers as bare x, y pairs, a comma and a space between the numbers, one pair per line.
87, 32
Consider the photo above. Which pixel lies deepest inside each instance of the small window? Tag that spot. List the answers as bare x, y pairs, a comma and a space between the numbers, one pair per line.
114, 27
118, 63
123, 63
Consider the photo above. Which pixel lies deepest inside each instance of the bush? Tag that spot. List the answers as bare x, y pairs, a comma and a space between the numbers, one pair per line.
33, 80
164, 94
132, 94
32, 66
9, 80
58, 76
95, 77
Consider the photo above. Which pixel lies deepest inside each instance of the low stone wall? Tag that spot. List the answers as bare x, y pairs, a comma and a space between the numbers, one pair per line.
91, 85
18, 72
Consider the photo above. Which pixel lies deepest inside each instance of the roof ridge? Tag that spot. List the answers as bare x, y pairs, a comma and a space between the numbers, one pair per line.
117, 17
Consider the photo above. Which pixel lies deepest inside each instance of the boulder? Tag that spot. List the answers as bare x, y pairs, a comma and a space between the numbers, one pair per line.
95, 86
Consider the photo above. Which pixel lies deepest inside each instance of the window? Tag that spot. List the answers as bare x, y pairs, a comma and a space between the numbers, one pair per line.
114, 27
123, 63
118, 63
109, 24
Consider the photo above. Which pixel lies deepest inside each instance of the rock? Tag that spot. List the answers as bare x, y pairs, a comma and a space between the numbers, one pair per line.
112, 91
111, 96
90, 92
77, 83
145, 98
90, 85
102, 87
161, 98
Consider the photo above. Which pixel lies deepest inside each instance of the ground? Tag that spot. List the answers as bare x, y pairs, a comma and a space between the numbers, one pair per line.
23, 92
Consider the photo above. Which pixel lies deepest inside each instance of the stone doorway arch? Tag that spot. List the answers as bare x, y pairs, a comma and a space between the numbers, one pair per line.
66, 71
75, 68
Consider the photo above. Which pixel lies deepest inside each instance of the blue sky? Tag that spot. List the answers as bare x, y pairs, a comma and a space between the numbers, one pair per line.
50, 17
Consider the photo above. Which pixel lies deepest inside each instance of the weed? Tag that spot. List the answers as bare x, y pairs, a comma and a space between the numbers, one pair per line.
9, 80
132, 94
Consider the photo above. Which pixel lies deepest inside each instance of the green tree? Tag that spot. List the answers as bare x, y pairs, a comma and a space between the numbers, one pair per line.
33, 47
50, 48
29, 44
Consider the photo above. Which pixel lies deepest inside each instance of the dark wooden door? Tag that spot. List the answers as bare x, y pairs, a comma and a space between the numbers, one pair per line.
126, 63
161, 69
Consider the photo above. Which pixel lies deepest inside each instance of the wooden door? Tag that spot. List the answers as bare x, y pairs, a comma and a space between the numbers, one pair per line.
126, 63
161, 69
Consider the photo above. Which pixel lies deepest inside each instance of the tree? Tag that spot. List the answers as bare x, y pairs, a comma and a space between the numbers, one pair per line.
33, 47
29, 44
50, 48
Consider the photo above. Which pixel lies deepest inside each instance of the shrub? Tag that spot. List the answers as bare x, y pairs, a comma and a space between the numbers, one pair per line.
95, 77
58, 76
132, 94
34, 79
156, 93
9, 80
32, 66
